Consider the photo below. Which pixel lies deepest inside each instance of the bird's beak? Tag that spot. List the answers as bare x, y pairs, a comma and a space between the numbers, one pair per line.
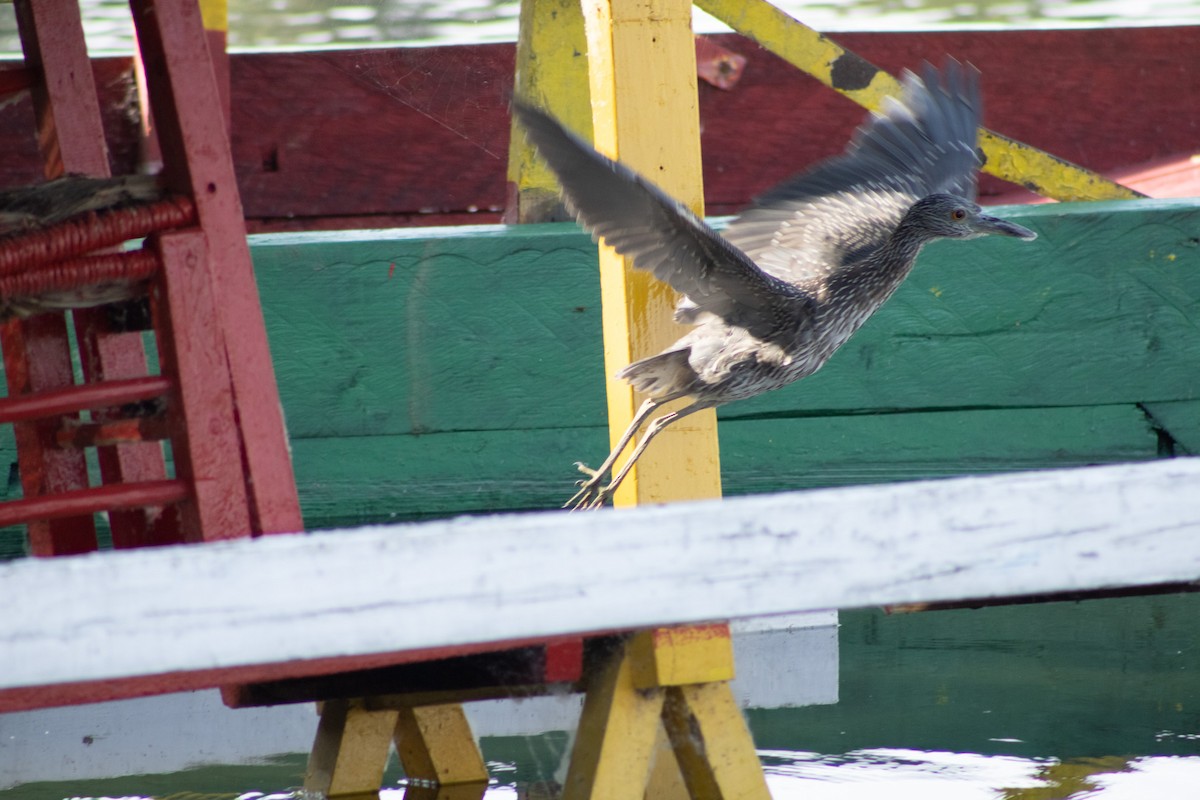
986, 224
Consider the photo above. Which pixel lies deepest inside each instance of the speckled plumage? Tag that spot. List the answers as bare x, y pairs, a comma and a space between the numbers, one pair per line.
792, 278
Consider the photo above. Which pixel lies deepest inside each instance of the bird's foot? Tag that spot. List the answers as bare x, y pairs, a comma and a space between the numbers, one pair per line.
591, 494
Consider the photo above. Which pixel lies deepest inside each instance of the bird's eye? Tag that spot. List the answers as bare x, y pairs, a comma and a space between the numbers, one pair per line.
958, 215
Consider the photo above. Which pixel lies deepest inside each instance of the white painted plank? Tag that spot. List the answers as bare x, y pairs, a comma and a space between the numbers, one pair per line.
496, 579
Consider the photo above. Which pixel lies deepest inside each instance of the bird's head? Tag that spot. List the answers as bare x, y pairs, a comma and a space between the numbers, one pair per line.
946, 216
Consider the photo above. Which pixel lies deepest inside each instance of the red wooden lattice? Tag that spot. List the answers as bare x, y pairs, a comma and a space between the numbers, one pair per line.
215, 400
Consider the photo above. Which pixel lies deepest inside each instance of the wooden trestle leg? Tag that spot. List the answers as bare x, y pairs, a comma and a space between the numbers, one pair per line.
675, 679
435, 745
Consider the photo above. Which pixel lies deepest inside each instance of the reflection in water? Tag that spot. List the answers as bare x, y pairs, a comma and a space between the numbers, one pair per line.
919, 775
319, 23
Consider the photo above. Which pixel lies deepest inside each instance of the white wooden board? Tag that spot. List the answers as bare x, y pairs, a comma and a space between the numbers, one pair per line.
504, 578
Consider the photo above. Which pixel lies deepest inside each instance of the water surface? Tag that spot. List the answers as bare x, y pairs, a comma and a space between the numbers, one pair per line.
257, 24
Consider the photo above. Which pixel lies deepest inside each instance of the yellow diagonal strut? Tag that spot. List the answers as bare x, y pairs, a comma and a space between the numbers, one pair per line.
867, 85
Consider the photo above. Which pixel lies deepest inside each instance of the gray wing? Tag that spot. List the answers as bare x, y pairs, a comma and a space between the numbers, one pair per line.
661, 235
847, 207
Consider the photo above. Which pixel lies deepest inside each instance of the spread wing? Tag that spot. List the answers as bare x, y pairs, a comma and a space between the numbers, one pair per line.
661, 235
847, 207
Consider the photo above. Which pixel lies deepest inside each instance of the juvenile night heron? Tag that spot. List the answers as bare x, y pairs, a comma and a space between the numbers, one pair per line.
794, 276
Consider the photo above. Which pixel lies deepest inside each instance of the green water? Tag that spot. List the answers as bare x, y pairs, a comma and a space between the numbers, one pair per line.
1096, 700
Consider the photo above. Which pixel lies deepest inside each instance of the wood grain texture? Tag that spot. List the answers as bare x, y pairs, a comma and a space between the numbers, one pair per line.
160, 611
317, 133
346, 481
432, 372
469, 378
499, 329
337, 133
335, 138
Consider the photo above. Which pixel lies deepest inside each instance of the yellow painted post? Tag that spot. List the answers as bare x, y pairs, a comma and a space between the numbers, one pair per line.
712, 743
642, 68
645, 113
867, 85
552, 73
350, 751
436, 745
614, 742
681, 655
666, 780
618, 753
642, 74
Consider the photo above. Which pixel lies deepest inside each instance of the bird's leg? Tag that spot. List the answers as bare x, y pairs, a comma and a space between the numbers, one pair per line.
600, 495
589, 486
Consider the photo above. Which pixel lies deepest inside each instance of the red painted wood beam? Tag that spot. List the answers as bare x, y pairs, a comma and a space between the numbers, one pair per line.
193, 349
76, 398
32, 697
69, 132
91, 500
37, 359
37, 352
198, 161
121, 431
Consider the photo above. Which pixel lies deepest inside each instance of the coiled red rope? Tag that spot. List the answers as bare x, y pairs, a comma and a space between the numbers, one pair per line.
82, 235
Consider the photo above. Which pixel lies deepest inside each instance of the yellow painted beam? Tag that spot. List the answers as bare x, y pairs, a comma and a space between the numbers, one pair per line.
642, 68
666, 780
867, 85
681, 655
350, 751
615, 739
435, 744
1046, 174
552, 73
712, 743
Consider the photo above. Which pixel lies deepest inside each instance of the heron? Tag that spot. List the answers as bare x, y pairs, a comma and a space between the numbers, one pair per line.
788, 281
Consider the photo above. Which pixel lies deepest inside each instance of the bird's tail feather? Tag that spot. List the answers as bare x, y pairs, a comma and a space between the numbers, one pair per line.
664, 376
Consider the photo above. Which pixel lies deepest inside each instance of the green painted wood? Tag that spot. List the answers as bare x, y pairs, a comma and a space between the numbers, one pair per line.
1180, 421
499, 329
433, 372
349, 480
413, 331
442, 371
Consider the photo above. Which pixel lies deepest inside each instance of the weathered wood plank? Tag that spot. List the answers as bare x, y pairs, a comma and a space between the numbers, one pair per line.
352, 480
316, 133
165, 614
499, 329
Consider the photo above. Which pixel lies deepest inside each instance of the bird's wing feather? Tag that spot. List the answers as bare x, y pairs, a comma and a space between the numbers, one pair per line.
847, 207
661, 235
